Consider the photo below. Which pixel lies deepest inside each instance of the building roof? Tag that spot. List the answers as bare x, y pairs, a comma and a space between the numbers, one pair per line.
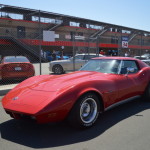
34, 12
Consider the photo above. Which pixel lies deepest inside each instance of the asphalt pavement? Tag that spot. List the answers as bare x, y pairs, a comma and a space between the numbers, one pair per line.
123, 128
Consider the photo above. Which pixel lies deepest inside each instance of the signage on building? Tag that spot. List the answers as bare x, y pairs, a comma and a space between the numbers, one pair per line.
124, 42
56, 36
79, 37
68, 37
48, 36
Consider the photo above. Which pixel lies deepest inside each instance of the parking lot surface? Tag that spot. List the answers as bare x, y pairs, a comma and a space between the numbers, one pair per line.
124, 127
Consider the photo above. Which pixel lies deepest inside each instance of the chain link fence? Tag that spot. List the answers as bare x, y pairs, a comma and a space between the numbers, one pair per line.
68, 44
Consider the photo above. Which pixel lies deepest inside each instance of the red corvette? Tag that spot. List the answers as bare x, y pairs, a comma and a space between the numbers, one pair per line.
80, 96
16, 67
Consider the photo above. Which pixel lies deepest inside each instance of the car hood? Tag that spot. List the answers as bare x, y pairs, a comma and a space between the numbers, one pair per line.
36, 92
56, 83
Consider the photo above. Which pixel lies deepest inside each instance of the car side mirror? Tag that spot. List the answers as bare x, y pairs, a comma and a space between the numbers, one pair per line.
130, 70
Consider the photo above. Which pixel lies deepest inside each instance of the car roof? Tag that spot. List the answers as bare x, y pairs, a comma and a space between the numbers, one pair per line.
117, 58
13, 56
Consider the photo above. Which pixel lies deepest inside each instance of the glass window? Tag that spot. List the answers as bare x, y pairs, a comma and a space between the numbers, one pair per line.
16, 59
102, 65
129, 64
87, 57
79, 57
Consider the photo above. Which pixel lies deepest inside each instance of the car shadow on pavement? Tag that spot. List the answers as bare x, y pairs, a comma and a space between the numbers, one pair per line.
9, 82
60, 134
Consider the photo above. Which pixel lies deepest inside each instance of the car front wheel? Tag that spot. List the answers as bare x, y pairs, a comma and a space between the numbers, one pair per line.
85, 112
57, 69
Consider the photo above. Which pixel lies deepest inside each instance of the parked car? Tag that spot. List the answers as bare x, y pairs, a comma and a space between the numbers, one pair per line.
146, 56
143, 57
16, 67
147, 61
61, 66
79, 97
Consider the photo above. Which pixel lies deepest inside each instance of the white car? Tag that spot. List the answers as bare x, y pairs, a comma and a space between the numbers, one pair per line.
145, 58
147, 61
61, 66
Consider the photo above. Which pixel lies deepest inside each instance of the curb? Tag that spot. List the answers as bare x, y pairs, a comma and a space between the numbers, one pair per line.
6, 88
4, 92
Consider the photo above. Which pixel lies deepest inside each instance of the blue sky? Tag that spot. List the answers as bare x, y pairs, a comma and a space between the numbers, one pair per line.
129, 13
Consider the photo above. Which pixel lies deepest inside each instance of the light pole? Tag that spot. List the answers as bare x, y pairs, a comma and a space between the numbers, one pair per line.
40, 49
120, 43
98, 43
141, 43
73, 51
39, 21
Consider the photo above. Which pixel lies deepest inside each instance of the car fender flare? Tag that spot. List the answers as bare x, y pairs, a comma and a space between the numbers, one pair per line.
96, 92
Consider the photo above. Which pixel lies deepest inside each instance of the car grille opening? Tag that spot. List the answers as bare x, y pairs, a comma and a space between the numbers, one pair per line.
22, 116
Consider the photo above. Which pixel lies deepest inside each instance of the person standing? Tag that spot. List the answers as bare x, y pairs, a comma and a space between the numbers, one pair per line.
126, 54
102, 52
54, 55
62, 55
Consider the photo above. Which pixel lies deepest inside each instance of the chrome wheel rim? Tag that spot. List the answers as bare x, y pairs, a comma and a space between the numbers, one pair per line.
88, 110
57, 70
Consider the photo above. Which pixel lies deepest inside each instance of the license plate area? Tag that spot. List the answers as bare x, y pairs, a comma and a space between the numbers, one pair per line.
18, 68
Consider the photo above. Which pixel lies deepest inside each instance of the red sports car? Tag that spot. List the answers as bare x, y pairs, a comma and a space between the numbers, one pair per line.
80, 96
16, 67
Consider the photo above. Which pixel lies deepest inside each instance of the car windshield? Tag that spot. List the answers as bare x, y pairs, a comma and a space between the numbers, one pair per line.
102, 65
79, 57
16, 59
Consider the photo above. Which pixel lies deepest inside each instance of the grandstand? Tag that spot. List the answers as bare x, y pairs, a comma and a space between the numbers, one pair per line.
29, 32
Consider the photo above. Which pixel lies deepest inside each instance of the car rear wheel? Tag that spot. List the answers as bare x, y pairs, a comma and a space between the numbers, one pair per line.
57, 69
85, 112
146, 95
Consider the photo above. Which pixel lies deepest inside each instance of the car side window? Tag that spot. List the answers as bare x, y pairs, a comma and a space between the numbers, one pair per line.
129, 64
79, 57
87, 57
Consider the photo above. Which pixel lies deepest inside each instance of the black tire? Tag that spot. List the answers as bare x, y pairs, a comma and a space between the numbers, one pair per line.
85, 112
57, 69
146, 96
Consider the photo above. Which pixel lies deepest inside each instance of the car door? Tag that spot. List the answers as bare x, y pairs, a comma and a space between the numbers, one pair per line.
127, 82
86, 58
73, 63
79, 61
